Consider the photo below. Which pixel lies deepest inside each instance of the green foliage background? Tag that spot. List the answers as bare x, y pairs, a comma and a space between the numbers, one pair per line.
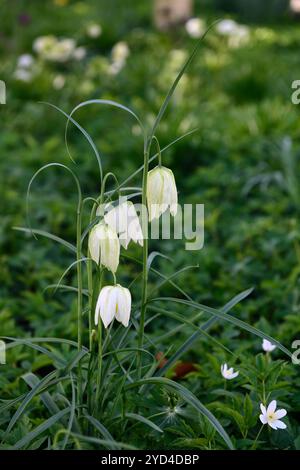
242, 163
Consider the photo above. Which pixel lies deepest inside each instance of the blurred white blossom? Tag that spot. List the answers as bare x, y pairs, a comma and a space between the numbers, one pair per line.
195, 27
54, 49
79, 53
59, 82
94, 30
119, 55
25, 61
237, 34
23, 75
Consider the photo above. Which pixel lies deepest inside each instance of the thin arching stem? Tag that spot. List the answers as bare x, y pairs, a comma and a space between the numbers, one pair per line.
79, 298
145, 256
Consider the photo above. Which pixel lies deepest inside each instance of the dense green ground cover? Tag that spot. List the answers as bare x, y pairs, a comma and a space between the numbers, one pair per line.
242, 163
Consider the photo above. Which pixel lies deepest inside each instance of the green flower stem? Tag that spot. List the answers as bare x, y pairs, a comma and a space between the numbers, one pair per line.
256, 439
145, 258
79, 300
99, 361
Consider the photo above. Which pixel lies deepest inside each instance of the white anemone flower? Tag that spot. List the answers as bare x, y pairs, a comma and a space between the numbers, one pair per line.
113, 302
268, 346
104, 246
124, 220
272, 417
228, 373
161, 192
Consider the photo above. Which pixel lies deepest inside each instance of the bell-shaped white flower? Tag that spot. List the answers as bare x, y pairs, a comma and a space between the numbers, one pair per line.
228, 374
124, 220
113, 302
268, 346
104, 246
272, 417
161, 192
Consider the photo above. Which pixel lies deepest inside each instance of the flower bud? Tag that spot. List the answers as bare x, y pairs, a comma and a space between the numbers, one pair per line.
161, 192
104, 246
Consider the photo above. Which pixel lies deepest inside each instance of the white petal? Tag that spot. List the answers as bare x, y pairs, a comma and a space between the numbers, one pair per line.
94, 245
124, 305
280, 424
234, 375
280, 413
263, 409
272, 406
108, 311
263, 419
272, 424
101, 302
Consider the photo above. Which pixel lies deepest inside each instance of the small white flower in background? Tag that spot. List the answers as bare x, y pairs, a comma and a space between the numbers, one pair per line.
113, 302
238, 34
44, 43
79, 53
94, 30
124, 220
268, 346
53, 49
25, 61
63, 50
272, 417
104, 246
195, 27
228, 374
23, 75
58, 82
120, 51
119, 54
161, 192
227, 27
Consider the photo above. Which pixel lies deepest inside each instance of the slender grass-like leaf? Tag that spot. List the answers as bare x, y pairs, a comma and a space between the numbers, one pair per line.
41, 428
43, 233
189, 398
143, 420
64, 287
222, 315
152, 257
25, 342
42, 340
45, 167
32, 380
102, 430
86, 135
103, 442
72, 414
190, 341
176, 81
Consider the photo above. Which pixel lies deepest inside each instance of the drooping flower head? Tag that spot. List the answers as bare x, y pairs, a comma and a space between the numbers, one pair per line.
104, 246
113, 302
161, 192
124, 220
272, 417
228, 373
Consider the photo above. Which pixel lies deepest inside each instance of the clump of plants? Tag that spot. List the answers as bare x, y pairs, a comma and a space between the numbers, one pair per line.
113, 380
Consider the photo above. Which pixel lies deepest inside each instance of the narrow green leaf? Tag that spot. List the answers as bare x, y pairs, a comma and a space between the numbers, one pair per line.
41, 428
189, 398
